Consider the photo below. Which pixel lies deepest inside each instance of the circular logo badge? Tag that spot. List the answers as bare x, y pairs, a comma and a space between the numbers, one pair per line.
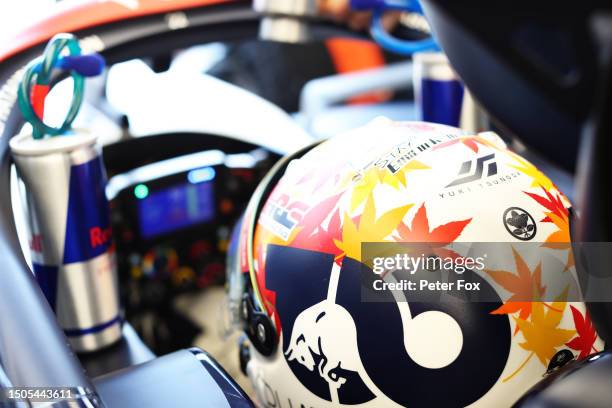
519, 223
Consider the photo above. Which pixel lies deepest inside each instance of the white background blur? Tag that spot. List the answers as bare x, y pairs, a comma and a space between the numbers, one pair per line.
16, 15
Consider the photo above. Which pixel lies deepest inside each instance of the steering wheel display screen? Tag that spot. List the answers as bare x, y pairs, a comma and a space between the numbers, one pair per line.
174, 208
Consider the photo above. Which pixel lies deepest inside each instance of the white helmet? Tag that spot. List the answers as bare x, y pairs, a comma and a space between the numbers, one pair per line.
326, 329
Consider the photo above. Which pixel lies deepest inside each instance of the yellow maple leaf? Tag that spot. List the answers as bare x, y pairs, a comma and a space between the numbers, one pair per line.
525, 167
364, 187
375, 175
399, 179
542, 336
368, 228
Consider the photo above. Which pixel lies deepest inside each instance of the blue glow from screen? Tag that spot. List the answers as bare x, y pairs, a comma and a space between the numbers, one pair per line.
177, 207
201, 175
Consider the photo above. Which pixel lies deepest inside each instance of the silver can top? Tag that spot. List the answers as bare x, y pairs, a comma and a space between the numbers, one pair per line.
24, 144
433, 65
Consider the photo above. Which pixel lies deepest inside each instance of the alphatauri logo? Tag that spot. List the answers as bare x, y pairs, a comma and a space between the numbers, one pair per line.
477, 169
348, 352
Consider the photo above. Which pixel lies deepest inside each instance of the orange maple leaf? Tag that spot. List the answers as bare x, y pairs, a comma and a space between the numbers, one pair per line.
419, 230
557, 214
525, 287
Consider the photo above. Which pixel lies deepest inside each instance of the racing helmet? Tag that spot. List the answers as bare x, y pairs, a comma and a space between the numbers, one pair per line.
314, 279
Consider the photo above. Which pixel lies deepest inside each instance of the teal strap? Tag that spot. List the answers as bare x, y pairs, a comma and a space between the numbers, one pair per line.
38, 74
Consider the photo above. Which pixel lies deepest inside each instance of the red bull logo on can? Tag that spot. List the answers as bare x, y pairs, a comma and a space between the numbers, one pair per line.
100, 236
88, 233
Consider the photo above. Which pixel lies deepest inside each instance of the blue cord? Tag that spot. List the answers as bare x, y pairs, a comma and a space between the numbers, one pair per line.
382, 37
390, 43
404, 5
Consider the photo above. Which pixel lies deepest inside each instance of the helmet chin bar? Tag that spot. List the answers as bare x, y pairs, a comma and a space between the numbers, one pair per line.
594, 173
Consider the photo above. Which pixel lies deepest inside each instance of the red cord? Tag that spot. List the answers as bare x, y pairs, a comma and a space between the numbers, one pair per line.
39, 94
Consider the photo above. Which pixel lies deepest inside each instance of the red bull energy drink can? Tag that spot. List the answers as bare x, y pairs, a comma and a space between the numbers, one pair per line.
438, 90
70, 235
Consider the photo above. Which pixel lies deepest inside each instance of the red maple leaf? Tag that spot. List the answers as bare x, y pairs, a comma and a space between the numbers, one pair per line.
553, 203
586, 334
467, 141
558, 215
321, 175
312, 235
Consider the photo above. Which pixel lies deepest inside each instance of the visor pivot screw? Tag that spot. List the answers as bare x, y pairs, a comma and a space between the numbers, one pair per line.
245, 310
261, 333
